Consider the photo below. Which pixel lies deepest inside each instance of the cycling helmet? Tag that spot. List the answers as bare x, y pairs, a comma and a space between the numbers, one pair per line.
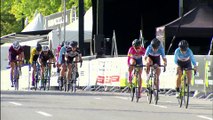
62, 44
136, 43
66, 44
38, 47
183, 45
45, 48
155, 43
73, 44
16, 45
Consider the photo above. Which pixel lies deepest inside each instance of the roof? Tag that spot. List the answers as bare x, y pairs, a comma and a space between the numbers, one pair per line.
195, 23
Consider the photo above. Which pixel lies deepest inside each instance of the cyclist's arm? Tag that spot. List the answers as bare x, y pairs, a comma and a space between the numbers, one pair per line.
192, 57
40, 59
147, 52
176, 56
163, 55
129, 56
62, 50
52, 56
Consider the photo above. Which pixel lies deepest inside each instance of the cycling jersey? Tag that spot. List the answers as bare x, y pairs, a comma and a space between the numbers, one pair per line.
45, 57
62, 51
14, 53
57, 52
71, 55
160, 51
135, 54
184, 57
34, 55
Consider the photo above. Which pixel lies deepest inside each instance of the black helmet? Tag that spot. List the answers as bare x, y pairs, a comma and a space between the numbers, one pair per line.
62, 44
155, 43
73, 44
38, 47
183, 45
136, 43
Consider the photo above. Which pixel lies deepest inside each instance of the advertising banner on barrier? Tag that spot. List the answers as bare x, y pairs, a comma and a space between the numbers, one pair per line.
114, 72
84, 73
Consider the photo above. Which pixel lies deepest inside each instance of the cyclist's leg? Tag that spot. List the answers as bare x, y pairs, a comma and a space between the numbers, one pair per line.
33, 74
69, 71
149, 62
180, 66
156, 60
20, 57
132, 62
140, 81
189, 72
12, 65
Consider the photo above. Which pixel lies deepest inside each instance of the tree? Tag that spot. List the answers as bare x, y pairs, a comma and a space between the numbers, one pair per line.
12, 11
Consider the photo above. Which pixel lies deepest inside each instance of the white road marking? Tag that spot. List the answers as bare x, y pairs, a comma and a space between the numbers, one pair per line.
97, 98
15, 103
44, 114
159, 106
169, 101
124, 98
204, 117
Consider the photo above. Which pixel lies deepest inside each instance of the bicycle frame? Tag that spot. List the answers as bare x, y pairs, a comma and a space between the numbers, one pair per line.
184, 90
37, 75
153, 89
16, 75
46, 76
135, 89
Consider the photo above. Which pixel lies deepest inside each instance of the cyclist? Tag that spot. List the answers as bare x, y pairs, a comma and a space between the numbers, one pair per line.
58, 52
183, 58
45, 56
33, 58
16, 52
72, 52
61, 59
135, 53
152, 57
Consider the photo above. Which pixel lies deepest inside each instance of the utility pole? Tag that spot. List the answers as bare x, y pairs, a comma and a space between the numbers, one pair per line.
64, 20
81, 26
180, 8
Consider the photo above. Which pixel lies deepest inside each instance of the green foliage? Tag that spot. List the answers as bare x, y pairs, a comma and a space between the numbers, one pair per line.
12, 11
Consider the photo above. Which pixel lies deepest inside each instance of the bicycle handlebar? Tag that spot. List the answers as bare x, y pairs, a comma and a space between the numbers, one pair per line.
155, 66
195, 71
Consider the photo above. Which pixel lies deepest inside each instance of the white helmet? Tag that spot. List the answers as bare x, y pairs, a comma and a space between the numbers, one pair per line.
45, 48
16, 45
66, 44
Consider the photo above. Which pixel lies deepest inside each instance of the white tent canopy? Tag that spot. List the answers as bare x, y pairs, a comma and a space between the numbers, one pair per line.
72, 31
36, 24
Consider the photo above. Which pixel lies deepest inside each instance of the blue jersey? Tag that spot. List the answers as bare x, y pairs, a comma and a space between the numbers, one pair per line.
62, 51
184, 57
160, 51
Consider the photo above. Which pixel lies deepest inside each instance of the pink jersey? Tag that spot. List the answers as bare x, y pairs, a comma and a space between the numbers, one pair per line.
58, 51
135, 54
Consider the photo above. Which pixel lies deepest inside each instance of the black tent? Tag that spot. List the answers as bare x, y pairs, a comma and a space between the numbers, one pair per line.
196, 26
196, 23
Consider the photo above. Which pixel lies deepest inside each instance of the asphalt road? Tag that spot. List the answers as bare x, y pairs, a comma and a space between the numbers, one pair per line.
56, 105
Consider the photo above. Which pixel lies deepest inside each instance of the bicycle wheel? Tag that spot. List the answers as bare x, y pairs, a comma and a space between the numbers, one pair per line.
36, 80
186, 95
16, 80
74, 86
156, 93
48, 78
182, 94
132, 92
60, 83
65, 85
149, 93
137, 92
